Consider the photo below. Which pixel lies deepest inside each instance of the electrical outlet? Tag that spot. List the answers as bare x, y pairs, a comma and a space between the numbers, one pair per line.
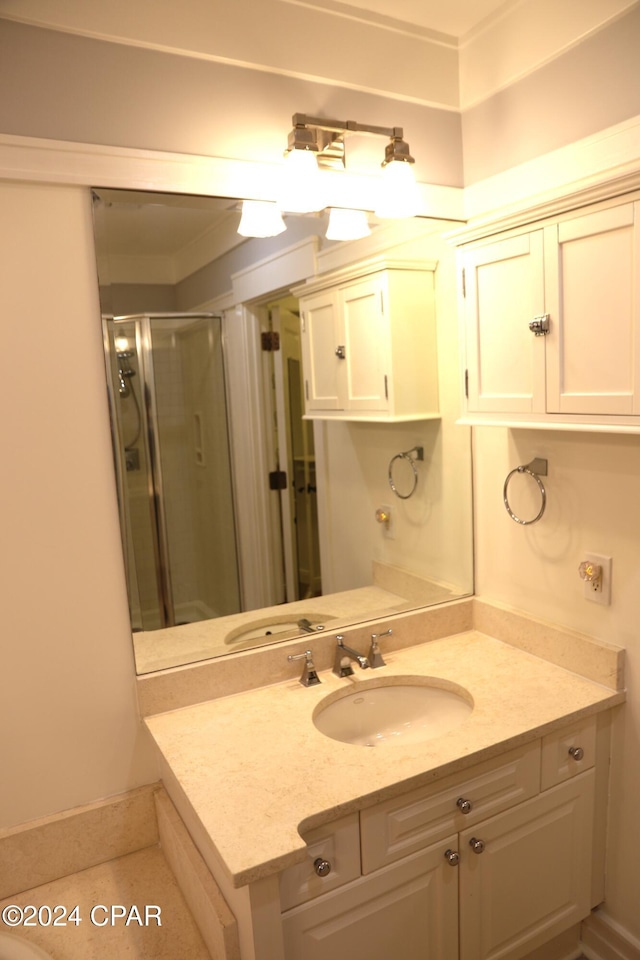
388, 531
599, 591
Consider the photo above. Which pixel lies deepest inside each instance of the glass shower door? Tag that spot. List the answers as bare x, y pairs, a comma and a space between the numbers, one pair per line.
187, 515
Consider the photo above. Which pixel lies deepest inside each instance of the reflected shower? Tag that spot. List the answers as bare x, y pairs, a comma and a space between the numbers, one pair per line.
173, 467
125, 371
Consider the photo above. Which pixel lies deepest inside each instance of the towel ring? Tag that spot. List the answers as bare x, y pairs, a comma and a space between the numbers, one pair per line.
419, 455
534, 468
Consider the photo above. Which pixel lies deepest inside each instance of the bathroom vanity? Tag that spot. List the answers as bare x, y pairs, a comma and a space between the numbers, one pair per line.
485, 841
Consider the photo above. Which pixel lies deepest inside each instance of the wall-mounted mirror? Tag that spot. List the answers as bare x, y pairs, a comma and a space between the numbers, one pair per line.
245, 522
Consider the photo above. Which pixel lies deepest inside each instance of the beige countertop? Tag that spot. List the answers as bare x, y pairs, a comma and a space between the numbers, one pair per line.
255, 770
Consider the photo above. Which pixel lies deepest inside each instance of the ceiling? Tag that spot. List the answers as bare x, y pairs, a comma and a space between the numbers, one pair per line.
160, 225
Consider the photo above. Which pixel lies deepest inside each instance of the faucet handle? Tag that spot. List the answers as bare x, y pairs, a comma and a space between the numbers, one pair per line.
375, 657
309, 676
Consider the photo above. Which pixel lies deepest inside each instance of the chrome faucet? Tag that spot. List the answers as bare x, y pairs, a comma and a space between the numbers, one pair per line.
342, 669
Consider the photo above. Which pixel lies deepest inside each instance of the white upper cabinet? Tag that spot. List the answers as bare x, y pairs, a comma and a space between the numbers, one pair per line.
504, 291
552, 321
592, 273
369, 343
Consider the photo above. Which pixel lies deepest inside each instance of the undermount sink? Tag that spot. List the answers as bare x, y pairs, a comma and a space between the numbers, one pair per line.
401, 710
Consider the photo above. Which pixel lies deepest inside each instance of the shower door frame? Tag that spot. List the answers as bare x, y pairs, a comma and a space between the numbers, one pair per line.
155, 484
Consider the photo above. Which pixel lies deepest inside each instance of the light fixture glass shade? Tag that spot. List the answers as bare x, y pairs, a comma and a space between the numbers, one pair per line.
347, 224
260, 218
399, 196
301, 189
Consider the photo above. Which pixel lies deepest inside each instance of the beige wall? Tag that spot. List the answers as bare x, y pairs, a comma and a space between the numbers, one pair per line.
70, 732
292, 39
592, 85
73, 88
593, 505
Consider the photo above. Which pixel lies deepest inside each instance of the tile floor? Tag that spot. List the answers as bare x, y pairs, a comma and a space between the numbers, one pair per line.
139, 878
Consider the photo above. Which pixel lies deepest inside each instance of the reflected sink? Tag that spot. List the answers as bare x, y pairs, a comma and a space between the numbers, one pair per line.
401, 710
280, 627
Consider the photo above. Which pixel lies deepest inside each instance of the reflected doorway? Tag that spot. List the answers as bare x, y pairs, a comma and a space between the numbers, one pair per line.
296, 455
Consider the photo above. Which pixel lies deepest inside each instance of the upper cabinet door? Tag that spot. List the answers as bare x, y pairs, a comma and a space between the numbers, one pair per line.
592, 269
531, 879
367, 353
503, 293
319, 340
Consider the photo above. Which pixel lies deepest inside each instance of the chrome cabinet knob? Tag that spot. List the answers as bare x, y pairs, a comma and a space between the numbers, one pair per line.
476, 845
322, 867
452, 857
540, 325
341, 353
576, 752
464, 806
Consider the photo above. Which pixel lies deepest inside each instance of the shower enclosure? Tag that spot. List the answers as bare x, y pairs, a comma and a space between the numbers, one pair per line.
169, 411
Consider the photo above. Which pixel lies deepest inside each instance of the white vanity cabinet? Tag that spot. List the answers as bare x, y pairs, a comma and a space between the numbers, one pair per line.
486, 864
552, 320
369, 343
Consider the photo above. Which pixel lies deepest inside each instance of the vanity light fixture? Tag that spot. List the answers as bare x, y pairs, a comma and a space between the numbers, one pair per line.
301, 188
399, 191
316, 142
260, 218
347, 224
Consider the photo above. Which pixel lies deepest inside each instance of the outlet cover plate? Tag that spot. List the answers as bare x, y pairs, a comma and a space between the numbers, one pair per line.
599, 592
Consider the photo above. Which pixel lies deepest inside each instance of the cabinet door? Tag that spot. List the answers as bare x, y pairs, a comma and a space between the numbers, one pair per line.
592, 275
367, 361
408, 910
320, 338
503, 293
533, 879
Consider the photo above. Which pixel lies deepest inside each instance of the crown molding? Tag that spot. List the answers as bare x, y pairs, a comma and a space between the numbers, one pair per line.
93, 165
595, 168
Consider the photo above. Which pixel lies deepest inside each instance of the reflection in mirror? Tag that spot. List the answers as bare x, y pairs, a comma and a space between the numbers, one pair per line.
243, 522
176, 501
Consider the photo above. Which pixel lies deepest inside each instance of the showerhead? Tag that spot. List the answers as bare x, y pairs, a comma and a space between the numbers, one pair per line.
123, 387
124, 372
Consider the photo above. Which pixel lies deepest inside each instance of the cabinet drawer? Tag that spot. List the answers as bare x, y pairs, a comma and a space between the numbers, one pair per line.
338, 843
403, 825
559, 763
